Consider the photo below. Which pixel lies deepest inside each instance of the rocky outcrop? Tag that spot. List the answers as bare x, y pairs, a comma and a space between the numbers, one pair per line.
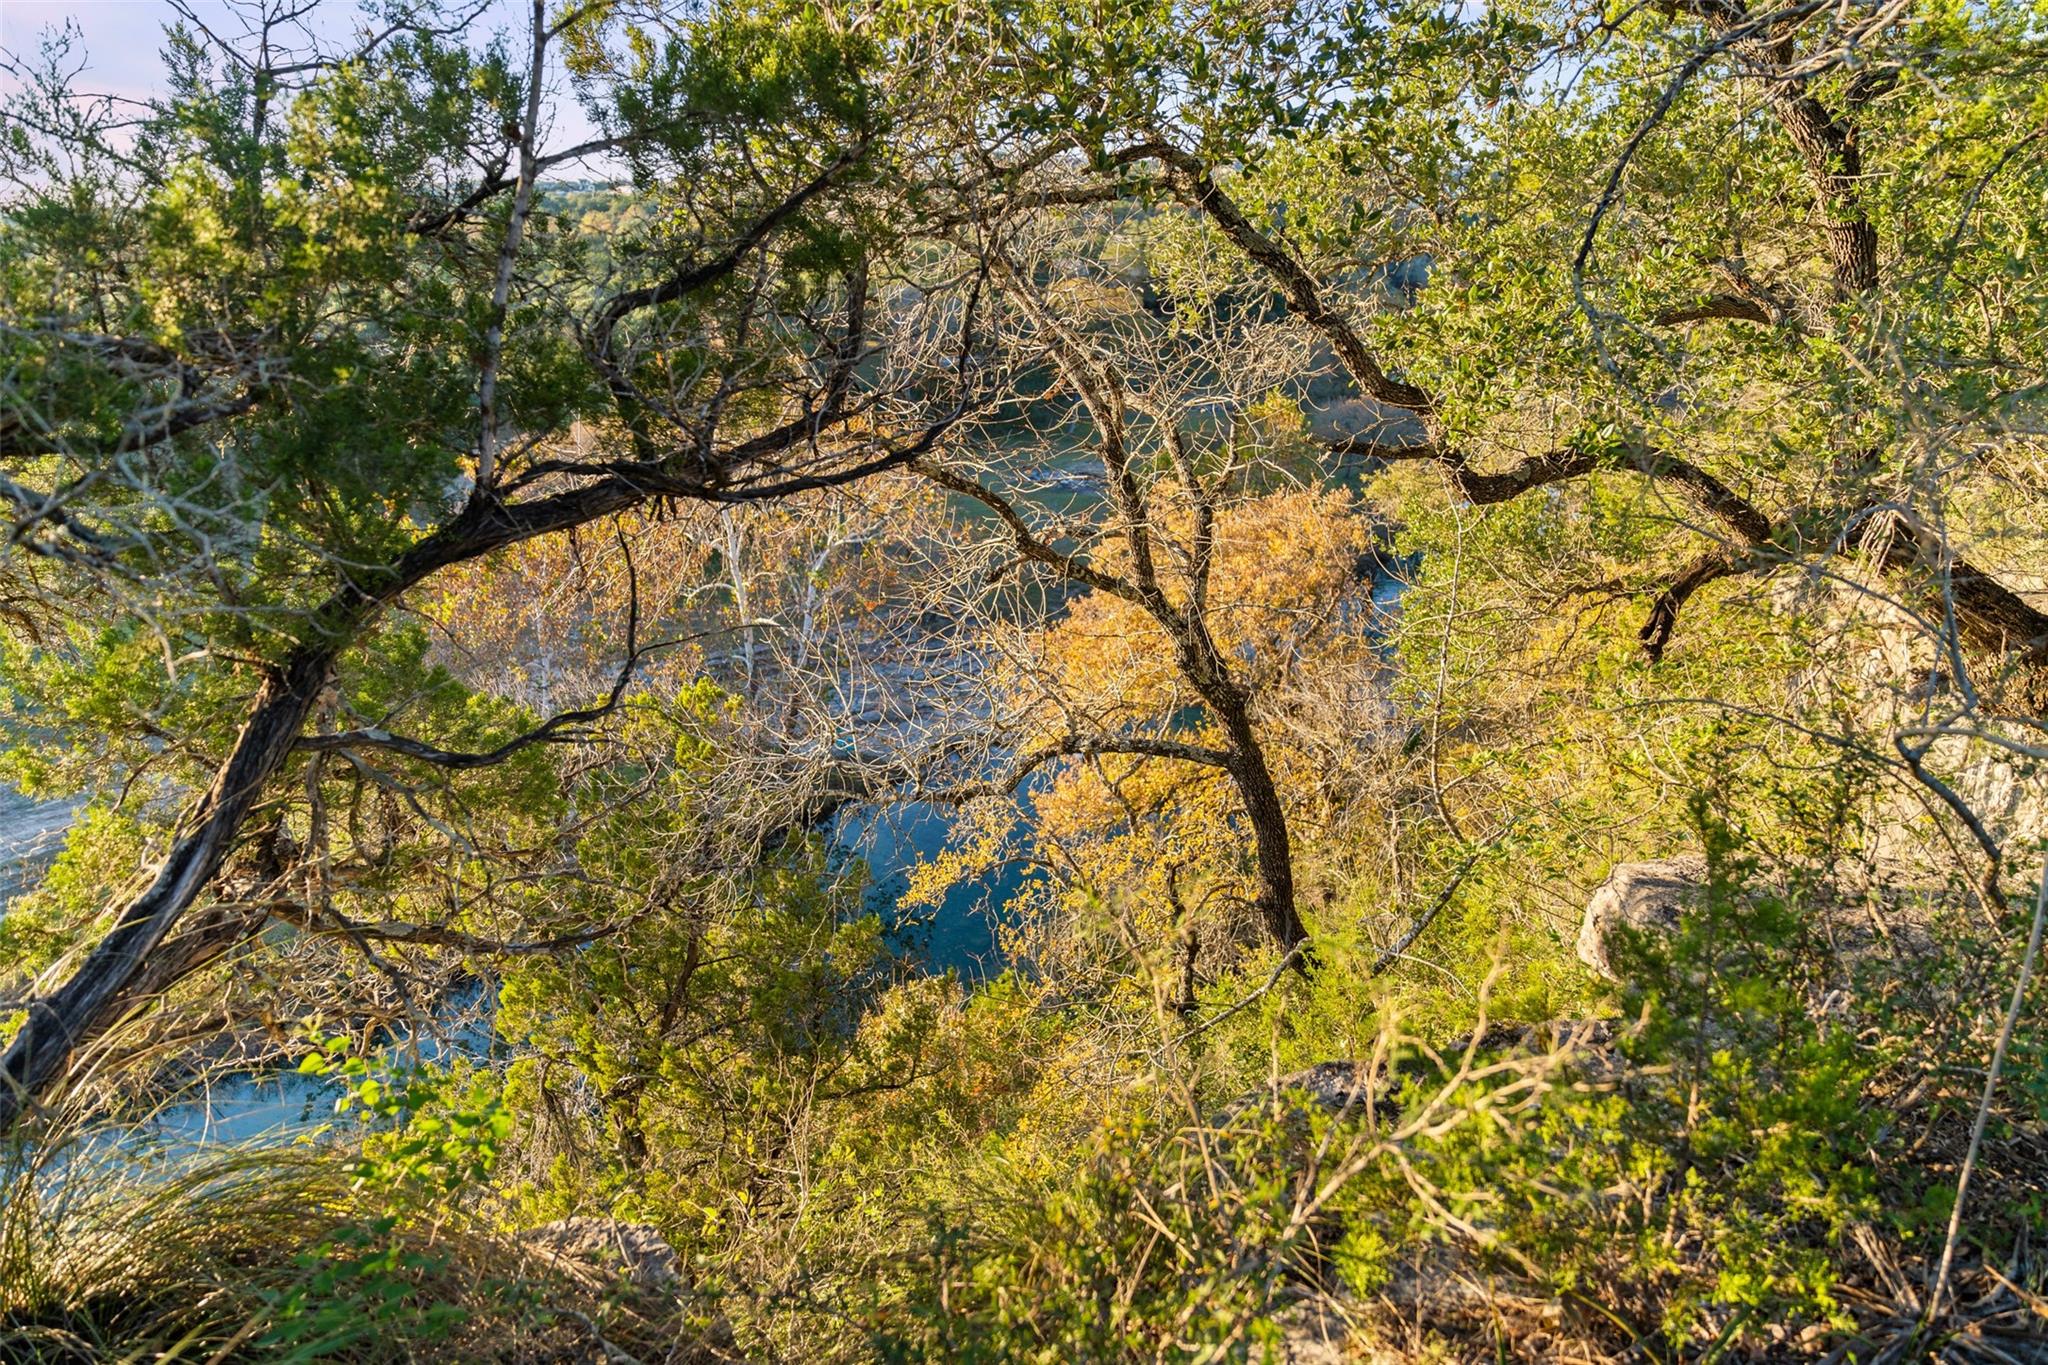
632, 1250
1646, 897
1338, 1087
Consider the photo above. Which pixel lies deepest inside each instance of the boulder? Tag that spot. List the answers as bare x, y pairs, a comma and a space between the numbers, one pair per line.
635, 1250
1336, 1086
1646, 897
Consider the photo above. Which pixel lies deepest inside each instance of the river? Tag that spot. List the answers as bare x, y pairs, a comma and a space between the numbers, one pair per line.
959, 935
890, 839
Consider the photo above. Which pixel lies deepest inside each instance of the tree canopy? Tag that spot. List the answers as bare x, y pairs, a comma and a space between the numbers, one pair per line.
1311, 498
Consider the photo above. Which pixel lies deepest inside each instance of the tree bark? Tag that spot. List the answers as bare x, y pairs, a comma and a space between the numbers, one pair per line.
1834, 166
1271, 844
83, 1005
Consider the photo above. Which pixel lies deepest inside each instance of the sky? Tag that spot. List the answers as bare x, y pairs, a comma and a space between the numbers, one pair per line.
120, 36
119, 41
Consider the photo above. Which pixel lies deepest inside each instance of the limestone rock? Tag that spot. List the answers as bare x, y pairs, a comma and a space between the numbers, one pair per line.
1646, 897
634, 1249
1314, 1333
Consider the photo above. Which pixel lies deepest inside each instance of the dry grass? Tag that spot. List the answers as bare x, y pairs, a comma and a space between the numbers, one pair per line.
108, 1253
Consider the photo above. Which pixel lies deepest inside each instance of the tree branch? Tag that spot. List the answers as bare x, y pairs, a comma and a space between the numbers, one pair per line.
1302, 292
1656, 632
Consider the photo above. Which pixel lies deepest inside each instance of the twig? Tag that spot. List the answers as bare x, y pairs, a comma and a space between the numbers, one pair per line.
2012, 1015
1399, 949
1287, 960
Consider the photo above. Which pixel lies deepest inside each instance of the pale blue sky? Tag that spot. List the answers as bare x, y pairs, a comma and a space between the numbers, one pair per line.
121, 39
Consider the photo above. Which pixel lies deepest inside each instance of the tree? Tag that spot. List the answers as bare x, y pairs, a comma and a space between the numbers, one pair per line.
1685, 363
1199, 583
1724, 343
309, 341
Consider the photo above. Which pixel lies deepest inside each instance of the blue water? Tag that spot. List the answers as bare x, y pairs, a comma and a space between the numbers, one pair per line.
287, 1104
959, 935
246, 1107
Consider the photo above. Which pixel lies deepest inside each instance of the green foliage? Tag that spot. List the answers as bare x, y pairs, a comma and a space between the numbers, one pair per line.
431, 1138
701, 1041
1162, 1244
429, 1142
699, 1022
1718, 1180
363, 1286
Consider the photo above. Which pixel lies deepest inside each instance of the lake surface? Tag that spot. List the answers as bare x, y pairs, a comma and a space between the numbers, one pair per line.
960, 934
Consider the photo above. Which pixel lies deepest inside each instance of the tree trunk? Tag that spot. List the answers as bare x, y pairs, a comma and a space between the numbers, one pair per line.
84, 1005
104, 984
1834, 167
1270, 841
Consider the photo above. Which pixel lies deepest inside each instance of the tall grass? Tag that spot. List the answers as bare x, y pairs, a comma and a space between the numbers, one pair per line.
110, 1251
116, 1249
